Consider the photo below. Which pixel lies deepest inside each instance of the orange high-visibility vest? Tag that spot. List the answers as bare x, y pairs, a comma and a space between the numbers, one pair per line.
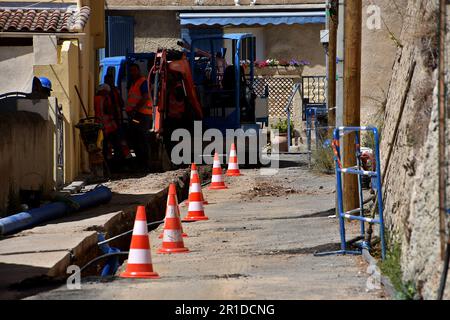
135, 95
105, 118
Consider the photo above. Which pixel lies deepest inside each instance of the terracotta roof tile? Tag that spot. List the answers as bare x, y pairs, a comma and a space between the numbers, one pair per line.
44, 20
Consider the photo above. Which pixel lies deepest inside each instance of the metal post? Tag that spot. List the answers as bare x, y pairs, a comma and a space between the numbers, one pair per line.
361, 196
289, 128
379, 192
237, 66
288, 112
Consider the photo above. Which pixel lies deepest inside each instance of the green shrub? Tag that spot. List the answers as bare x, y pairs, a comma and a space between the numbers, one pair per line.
391, 267
323, 160
282, 126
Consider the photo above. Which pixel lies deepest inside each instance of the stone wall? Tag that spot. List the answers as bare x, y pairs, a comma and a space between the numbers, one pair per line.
411, 180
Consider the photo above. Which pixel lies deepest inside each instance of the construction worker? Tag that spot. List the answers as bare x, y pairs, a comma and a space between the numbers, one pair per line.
139, 111
42, 88
104, 113
46, 87
116, 99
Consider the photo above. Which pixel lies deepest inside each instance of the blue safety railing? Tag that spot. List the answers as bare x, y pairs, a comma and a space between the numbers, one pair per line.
359, 171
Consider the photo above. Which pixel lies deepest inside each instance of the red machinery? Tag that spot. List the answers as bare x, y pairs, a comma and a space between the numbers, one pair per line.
175, 99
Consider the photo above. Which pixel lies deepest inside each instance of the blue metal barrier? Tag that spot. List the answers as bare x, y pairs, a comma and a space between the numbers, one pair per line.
359, 171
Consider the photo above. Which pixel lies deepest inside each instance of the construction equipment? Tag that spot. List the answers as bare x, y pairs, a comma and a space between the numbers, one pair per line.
175, 101
360, 172
92, 136
185, 88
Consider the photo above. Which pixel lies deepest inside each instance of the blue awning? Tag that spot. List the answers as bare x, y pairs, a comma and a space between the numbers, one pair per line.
253, 18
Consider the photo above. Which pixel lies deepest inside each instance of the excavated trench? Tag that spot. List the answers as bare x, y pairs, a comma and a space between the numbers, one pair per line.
120, 223
155, 208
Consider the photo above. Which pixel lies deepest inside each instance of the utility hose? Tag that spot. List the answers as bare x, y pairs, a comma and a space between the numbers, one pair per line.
102, 257
127, 232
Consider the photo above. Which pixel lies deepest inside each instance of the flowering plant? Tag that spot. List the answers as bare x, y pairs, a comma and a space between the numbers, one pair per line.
261, 64
273, 62
282, 62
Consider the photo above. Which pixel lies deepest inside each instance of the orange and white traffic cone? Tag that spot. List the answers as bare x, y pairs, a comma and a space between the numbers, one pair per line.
194, 171
233, 164
140, 257
217, 181
195, 209
173, 192
173, 232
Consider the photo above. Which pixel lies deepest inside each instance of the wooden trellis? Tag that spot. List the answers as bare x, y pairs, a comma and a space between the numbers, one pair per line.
280, 89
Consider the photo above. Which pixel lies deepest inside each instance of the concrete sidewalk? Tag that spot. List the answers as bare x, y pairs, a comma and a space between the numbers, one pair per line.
258, 244
37, 256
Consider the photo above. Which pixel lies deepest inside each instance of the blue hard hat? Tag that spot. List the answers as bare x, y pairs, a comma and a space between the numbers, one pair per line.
46, 83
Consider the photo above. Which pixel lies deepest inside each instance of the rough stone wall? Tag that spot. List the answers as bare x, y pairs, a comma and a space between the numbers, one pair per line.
410, 189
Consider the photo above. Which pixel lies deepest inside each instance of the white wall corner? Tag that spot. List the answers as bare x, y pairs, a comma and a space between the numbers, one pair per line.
45, 48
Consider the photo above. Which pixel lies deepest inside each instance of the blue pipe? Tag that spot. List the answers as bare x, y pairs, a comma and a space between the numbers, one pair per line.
34, 217
98, 196
112, 264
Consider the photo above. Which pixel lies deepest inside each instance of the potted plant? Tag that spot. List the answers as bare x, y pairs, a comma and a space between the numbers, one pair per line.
279, 136
273, 67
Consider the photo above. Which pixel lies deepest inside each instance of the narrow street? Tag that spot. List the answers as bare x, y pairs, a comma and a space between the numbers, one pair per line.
119, 119
258, 244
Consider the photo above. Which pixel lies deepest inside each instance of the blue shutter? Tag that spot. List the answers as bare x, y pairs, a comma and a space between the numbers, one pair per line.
120, 35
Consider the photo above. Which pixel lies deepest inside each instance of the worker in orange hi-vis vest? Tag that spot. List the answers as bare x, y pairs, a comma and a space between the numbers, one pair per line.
118, 108
104, 114
139, 111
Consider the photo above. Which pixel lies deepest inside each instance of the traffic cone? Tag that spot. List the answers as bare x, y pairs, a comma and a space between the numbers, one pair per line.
233, 164
173, 232
173, 192
194, 171
195, 210
140, 257
217, 182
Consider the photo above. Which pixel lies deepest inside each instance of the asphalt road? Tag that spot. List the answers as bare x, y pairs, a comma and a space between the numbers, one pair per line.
258, 244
